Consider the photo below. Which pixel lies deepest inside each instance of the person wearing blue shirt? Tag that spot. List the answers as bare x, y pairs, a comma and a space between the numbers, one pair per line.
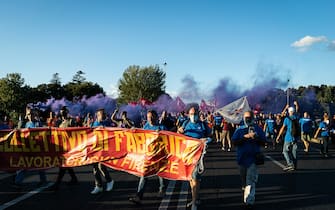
248, 138
151, 124
306, 127
20, 174
218, 118
290, 142
195, 128
324, 129
181, 119
98, 168
269, 130
65, 121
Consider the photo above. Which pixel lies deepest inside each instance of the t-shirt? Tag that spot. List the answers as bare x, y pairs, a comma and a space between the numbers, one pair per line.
246, 151
97, 123
288, 124
324, 128
270, 124
196, 130
306, 125
158, 127
30, 124
218, 120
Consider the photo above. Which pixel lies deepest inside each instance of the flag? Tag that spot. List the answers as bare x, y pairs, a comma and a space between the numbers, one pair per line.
233, 112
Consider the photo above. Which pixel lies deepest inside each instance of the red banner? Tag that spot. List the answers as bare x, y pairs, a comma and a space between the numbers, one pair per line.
136, 151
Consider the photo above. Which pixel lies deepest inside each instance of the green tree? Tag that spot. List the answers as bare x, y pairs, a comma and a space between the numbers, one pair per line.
79, 87
55, 79
13, 93
137, 83
79, 77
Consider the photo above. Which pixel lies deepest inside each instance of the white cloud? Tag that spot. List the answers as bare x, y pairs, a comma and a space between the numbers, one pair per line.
306, 42
113, 91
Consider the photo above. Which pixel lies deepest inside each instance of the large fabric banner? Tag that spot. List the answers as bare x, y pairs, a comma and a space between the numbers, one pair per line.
234, 111
136, 151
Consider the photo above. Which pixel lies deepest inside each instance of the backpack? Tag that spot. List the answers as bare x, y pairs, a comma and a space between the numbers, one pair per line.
295, 129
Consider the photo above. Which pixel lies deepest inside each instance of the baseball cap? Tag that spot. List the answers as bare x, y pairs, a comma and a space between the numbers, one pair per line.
291, 109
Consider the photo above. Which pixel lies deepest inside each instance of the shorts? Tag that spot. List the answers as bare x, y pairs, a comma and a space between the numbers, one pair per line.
195, 173
218, 128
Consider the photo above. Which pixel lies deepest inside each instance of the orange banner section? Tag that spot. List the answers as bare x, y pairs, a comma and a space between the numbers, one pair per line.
136, 151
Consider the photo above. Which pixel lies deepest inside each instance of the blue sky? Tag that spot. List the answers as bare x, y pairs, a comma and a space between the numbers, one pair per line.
204, 40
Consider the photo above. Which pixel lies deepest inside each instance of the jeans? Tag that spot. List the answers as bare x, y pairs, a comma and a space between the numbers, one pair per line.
20, 174
324, 146
142, 185
249, 178
98, 170
290, 153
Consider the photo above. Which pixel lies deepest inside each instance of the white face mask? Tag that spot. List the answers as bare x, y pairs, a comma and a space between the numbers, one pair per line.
193, 118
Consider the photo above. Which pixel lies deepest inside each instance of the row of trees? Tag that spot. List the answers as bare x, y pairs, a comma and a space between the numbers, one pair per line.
136, 83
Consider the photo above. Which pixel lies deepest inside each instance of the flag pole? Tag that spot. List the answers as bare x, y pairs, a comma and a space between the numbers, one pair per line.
288, 92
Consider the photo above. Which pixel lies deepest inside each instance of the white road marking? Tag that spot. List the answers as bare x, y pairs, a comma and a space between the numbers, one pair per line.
25, 196
166, 200
182, 201
275, 161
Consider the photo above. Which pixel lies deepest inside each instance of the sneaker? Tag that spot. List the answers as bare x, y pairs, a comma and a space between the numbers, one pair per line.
193, 205
228, 149
288, 168
109, 186
223, 149
160, 194
96, 190
325, 155
135, 199
197, 203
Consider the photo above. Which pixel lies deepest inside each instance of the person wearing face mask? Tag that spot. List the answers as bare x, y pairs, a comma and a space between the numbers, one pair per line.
64, 122
151, 124
248, 139
195, 128
124, 121
98, 168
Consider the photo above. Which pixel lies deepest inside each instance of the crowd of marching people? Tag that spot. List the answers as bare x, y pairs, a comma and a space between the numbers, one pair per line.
283, 130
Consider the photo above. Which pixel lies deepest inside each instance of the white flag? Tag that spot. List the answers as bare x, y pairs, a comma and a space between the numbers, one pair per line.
234, 111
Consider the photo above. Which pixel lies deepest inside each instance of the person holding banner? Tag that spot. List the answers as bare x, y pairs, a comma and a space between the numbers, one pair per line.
151, 124
195, 128
65, 122
248, 138
20, 174
124, 122
98, 168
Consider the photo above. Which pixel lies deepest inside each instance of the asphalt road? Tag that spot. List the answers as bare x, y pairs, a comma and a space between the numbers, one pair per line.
312, 186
